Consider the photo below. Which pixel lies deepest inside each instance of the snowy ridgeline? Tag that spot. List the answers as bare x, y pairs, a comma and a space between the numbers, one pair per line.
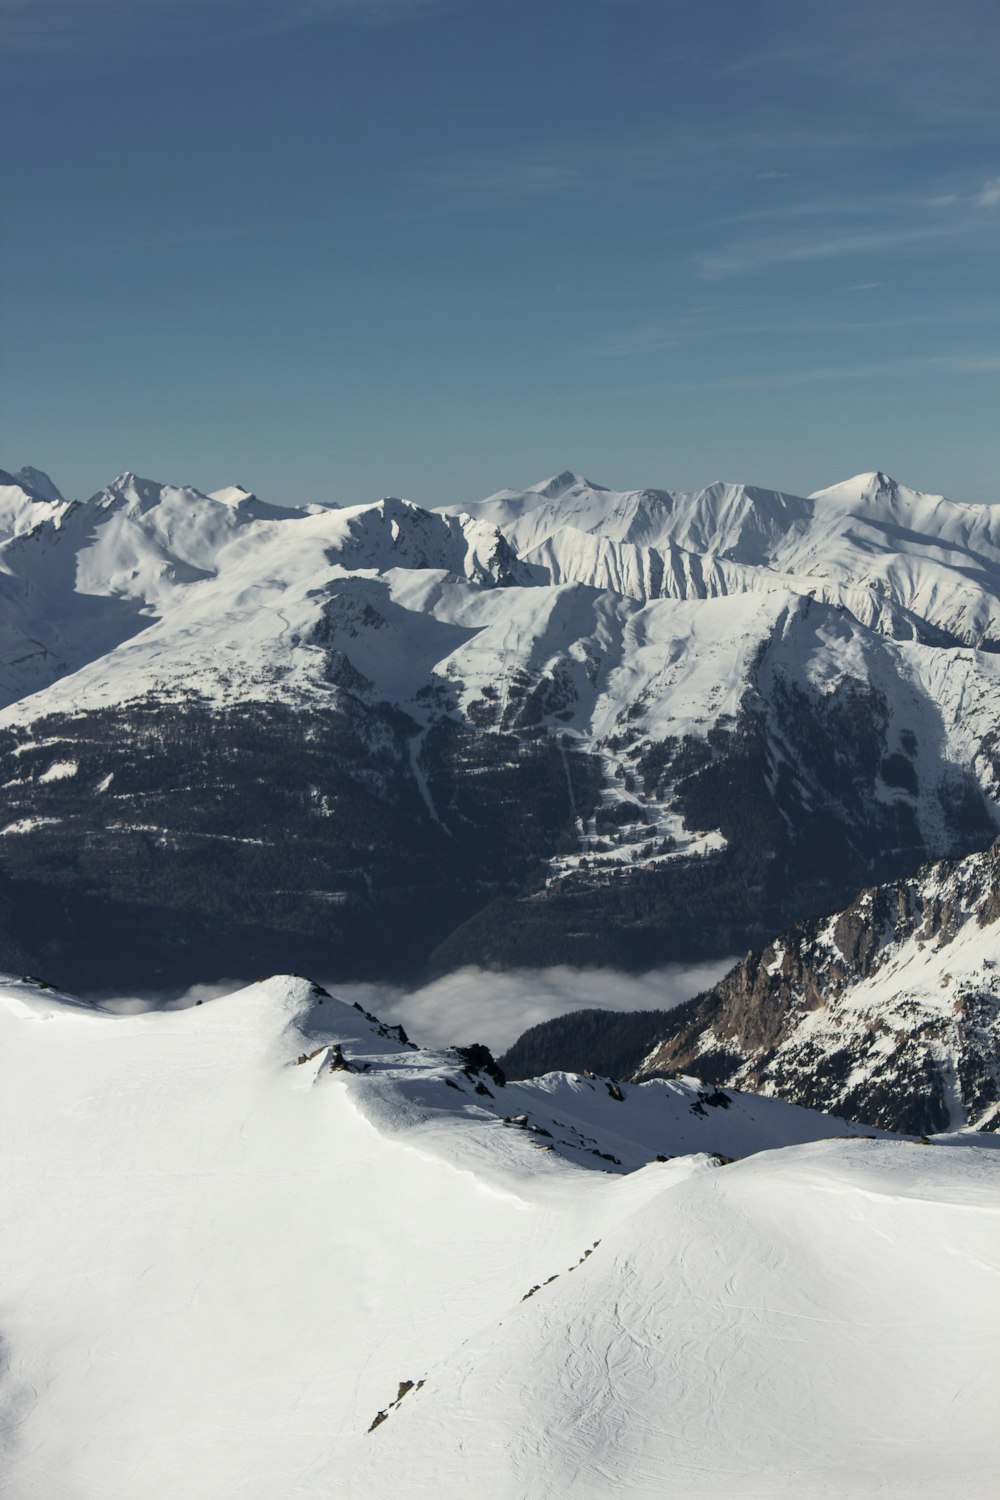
149, 586
665, 725
268, 1247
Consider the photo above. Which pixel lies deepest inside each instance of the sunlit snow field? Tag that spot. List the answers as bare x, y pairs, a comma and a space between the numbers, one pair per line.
223, 1253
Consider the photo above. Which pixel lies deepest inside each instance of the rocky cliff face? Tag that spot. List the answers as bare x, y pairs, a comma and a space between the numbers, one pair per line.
887, 1012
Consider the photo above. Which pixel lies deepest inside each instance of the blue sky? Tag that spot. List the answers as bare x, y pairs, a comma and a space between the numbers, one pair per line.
333, 249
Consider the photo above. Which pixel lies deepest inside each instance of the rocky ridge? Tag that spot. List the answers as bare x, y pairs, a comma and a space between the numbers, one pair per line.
887, 1012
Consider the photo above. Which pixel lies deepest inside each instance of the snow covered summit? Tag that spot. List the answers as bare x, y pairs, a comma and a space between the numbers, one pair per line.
27, 499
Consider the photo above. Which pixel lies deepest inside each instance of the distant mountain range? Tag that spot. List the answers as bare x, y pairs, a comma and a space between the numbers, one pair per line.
564, 724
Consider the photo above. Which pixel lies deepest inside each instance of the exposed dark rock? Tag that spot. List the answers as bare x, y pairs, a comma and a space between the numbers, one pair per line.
776, 1025
479, 1059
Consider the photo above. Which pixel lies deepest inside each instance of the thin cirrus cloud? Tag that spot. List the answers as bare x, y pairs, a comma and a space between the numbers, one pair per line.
830, 42
702, 325
670, 149
953, 364
912, 368
868, 207
678, 149
915, 221
747, 256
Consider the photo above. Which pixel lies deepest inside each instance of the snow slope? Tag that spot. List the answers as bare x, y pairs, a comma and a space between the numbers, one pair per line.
809, 1322
233, 1232
27, 499
222, 590
903, 562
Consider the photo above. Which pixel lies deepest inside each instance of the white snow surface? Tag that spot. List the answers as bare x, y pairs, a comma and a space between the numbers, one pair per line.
157, 586
27, 499
886, 551
221, 1258
802, 1323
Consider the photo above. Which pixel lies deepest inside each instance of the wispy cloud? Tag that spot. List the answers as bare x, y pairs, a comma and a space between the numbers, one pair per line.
719, 147
706, 326
968, 364
910, 367
721, 150
913, 59
949, 364
768, 252
868, 207
888, 223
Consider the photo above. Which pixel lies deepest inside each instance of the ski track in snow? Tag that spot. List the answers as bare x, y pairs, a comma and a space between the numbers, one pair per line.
222, 1255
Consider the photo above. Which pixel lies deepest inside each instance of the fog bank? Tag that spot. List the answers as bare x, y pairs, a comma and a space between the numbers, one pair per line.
482, 1005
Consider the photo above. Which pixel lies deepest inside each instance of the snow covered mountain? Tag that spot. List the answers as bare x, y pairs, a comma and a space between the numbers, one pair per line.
27, 499
565, 724
886, 1012
906, 563
265, 1246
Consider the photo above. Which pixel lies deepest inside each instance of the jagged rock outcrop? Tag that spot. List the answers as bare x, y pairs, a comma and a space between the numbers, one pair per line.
887, 1012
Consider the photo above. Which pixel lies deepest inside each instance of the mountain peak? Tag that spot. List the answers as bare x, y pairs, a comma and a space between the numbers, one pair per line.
874, 485
128, 486
232, 494
558, 484
37, 482
392, 507
147, 493
125, 483
877, 482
